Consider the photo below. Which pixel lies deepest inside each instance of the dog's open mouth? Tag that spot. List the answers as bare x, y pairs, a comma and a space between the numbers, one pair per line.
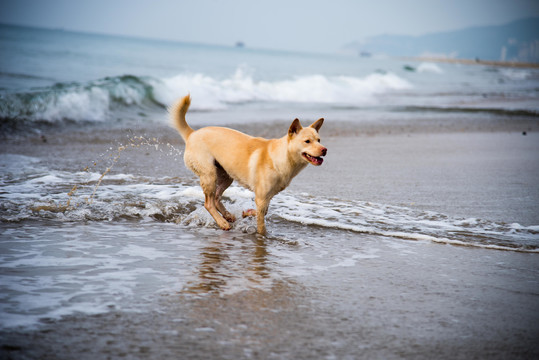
317, 161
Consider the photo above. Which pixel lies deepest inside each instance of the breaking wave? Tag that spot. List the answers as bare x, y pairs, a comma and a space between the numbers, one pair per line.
97, 100
241, 88
79, 102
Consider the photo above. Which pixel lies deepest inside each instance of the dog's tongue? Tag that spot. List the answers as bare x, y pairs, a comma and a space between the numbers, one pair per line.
314, 160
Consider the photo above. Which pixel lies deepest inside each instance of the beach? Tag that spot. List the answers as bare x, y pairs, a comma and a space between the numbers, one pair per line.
321, 292
417, 238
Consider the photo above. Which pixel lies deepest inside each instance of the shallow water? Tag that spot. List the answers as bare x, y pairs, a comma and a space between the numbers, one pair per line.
108, 236
116, 233
160, 290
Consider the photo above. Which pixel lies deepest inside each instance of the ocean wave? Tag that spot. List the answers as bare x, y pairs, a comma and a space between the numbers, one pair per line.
79, 102
427, 67
518, 74
241, 87
407, 224
97, 100
91, 196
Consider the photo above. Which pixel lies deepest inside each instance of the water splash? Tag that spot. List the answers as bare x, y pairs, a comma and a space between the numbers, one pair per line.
109, 160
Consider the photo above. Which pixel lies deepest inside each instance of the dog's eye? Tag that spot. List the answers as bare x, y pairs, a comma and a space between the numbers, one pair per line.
307, 141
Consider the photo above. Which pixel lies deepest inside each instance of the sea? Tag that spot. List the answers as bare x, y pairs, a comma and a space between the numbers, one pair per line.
99, 214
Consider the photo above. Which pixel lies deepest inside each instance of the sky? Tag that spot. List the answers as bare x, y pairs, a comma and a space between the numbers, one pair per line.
301, 25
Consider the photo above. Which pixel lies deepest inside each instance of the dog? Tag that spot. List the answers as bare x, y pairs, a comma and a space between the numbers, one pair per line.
219, 155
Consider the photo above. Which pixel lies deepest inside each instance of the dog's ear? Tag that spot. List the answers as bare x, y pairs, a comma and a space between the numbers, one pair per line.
295, 128
318, 124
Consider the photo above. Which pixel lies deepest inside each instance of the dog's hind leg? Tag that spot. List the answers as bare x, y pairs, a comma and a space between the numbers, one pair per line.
223, 182
209, 187
203, 164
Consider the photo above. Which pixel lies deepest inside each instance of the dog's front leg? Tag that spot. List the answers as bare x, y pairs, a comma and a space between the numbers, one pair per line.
262, 203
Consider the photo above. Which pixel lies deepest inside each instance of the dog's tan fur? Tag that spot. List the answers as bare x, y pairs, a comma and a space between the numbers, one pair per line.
265, 166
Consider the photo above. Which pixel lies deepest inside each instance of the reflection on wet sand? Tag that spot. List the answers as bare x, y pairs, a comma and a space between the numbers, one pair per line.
229, 264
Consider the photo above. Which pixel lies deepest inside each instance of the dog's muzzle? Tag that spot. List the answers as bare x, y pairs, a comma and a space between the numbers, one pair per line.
316, 160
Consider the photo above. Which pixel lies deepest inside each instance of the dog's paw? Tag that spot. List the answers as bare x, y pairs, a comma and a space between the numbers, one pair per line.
229, 217
225, 226
250, 212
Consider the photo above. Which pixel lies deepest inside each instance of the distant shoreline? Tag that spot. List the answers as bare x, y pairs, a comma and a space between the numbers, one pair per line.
513, 64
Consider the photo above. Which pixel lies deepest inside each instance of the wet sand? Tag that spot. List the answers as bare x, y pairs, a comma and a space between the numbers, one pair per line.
492, 176
413, 300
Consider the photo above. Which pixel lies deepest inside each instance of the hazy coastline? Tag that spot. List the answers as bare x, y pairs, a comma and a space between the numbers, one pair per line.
510, 64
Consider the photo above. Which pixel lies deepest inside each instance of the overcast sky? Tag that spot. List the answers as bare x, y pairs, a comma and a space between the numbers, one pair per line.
305, 25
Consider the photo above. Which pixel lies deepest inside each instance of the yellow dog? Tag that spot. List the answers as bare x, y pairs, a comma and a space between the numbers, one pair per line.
220, 155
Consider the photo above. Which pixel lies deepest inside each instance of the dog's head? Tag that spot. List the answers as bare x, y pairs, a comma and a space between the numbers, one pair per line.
305, 142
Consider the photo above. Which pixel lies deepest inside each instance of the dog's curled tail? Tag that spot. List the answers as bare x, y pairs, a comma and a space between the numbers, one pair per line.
177, 116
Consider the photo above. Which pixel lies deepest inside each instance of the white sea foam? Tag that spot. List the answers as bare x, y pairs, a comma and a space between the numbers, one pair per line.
213, 94
404, 223
122, 195
82, 104
516, 74
429, 68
